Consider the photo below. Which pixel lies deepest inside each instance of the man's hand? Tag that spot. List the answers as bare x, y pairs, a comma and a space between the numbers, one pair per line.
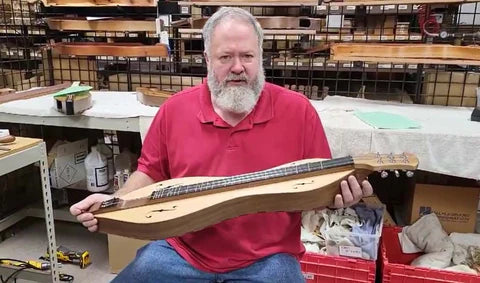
80, 210
352, 192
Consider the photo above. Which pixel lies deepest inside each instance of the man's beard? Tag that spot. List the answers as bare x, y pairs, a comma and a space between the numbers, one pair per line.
236, 99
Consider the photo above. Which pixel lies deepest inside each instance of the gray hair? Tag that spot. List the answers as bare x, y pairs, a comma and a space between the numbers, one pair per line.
226, 14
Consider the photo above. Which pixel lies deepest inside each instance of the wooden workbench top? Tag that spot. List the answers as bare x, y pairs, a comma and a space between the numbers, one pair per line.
19, 144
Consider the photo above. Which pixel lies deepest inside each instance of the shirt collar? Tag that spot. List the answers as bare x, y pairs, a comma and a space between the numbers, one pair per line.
262, 112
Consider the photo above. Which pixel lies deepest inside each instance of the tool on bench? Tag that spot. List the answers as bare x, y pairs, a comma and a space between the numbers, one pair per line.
82, 258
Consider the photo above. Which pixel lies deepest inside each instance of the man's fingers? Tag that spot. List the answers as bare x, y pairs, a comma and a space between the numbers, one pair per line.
355, 188
81, 206
367, 188
85, 217
338, 202
93, 228
90, 223
346, 193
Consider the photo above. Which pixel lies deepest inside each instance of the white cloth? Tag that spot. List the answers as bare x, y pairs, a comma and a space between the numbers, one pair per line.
428, 235
446, 139
111, 104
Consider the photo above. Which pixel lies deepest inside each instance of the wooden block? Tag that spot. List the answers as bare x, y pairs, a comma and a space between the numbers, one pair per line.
6, 91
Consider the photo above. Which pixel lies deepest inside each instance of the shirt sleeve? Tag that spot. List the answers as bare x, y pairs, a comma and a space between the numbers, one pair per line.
153, 160
316, 143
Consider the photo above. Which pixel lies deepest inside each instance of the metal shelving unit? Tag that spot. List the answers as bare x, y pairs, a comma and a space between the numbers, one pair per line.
34, 150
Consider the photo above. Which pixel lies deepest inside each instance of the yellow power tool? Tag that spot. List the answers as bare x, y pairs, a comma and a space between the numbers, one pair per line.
64, 254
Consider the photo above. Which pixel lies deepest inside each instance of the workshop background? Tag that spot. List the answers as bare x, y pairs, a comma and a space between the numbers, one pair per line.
416, 58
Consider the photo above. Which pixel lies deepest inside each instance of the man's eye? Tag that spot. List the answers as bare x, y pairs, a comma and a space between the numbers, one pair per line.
224, 57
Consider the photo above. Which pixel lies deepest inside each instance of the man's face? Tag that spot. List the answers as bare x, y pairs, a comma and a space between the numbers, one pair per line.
235, 73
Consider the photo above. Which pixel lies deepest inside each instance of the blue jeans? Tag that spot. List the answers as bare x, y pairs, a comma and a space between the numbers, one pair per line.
159, 262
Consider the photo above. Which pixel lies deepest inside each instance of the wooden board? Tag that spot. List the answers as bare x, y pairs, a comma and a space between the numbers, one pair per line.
249, 3
275, 23
33, 93
93, 3
19, 144
117, 24
153, 96
110, 49
406, 53
394, 2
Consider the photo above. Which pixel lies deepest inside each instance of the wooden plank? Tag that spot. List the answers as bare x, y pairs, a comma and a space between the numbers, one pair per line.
153, 96
394, 2
111, 49
248, 3
275, 23
19, 144
406, 53
94, 3
33, 93
265, 32
117, 25
6, 91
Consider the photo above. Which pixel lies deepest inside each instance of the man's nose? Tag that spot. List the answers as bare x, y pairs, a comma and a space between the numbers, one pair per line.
237, 67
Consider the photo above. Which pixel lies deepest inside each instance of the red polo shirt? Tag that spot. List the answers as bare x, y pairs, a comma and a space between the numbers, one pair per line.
187, 138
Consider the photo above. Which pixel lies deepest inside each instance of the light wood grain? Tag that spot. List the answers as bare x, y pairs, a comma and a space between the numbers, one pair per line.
170, 214
153, 96
406, 53
93, 3
249, 3
110, 49
276, 22
19, 144
186, 215
33, 93
113, 25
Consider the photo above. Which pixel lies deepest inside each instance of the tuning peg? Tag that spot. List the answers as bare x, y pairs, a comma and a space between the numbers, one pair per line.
410, 174
397, 174
384, 174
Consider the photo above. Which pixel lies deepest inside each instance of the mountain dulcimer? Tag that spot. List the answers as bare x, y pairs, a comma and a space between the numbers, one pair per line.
178, 206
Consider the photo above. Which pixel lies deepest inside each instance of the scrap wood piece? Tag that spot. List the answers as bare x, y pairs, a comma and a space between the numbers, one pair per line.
275, 22
6, 91
117, 24
111, 49
96, 3
153, 96
406, 53
33, 93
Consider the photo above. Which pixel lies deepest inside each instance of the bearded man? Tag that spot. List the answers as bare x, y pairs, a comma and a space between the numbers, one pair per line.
234, 123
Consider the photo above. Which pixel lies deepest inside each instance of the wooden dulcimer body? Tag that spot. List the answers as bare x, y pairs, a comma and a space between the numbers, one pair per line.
178, 206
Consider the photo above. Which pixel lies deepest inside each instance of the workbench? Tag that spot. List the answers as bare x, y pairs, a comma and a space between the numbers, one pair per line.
446, 143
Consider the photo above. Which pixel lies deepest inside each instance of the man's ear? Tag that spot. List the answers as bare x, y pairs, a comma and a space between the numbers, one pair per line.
206, 57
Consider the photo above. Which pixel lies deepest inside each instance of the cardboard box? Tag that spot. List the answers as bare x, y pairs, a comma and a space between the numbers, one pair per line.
67, 163
456, 207
121, 251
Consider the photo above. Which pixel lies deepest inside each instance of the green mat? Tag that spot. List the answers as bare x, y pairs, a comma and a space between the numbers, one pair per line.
385, 120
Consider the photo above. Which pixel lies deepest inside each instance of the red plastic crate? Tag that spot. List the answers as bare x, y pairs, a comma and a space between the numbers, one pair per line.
396, 266
318, 268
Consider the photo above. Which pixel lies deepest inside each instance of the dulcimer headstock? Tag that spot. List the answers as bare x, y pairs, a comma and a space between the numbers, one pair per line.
380, 162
